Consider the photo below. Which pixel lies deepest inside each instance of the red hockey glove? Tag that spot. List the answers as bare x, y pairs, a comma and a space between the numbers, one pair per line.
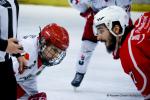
38, 96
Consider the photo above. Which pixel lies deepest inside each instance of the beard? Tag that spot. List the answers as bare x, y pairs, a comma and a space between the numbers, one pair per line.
111, 44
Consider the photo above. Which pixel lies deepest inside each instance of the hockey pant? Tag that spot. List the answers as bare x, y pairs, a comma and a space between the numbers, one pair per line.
26, 88
86, 52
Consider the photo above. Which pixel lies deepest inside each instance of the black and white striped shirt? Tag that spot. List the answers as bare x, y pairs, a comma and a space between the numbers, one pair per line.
9, 10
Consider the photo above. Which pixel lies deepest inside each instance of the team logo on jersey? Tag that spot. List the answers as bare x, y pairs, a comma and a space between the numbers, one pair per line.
139, 38
29, 36
26, 77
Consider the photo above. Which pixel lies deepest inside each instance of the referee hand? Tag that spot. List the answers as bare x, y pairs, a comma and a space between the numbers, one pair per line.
13, 47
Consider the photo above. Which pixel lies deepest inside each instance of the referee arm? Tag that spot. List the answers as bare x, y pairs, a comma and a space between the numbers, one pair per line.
10, 46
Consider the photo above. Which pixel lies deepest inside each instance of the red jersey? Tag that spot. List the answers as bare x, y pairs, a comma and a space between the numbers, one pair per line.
135, 54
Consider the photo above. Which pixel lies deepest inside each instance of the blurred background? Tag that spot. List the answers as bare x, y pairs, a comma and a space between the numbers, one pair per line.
138, 5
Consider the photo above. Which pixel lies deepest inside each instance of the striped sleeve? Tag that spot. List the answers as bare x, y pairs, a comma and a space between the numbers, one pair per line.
9, 10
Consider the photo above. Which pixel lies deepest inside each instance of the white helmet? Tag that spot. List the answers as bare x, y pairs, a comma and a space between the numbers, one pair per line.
111, 14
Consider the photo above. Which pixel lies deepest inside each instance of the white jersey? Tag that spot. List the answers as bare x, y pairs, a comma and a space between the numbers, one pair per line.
27, 80
30, 46
97, 5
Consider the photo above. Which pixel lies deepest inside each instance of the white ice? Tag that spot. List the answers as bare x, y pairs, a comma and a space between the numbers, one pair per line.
105, 78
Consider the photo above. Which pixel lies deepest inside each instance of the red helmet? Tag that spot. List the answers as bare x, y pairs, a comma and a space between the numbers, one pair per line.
56, 35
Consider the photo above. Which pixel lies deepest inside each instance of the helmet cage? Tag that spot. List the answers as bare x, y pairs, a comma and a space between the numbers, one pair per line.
49, 62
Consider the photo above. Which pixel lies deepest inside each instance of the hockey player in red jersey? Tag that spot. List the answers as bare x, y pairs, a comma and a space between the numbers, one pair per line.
47, 49
87, 9
131, 44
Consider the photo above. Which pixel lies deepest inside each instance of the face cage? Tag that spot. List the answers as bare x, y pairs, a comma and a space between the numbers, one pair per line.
53, 61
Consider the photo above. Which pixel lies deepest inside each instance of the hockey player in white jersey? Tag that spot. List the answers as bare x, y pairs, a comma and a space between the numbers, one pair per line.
87, 9
47, 49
